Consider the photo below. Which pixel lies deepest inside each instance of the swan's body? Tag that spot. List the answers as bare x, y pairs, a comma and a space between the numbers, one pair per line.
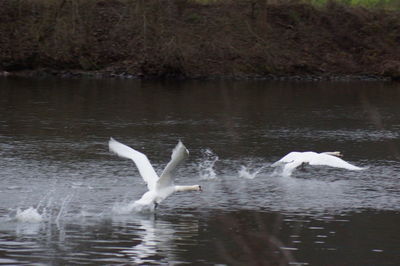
295, 159
159, 187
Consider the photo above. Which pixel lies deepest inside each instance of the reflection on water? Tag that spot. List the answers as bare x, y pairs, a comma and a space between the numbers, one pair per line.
157, 238
59, 183
217, 237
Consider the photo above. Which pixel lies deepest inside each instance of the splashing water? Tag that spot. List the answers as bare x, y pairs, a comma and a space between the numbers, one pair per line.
206, 167
63, 208
244, 172
283, 171
121, 208
30, 215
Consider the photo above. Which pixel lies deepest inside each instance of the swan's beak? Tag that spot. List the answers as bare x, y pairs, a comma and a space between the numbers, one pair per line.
200, 189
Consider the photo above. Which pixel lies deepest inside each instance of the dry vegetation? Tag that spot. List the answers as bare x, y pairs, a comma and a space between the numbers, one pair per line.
183, 38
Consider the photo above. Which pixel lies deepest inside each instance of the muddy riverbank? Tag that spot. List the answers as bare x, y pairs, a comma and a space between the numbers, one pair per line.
183, 39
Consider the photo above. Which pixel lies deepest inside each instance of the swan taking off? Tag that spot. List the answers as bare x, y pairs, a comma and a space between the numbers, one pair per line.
295, 159
159, 187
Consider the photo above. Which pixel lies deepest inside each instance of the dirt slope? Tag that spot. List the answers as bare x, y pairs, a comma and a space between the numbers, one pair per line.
183, 39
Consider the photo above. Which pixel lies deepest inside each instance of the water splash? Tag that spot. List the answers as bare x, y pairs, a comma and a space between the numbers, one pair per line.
206, 167
244, 172
63, 208
37, 214
30, 215
283, 171
123, 208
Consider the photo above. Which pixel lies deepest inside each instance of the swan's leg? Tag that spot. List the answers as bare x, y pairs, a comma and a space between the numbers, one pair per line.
302, 167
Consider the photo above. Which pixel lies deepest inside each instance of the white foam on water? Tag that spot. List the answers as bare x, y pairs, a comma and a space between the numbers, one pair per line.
121, 208
30, 215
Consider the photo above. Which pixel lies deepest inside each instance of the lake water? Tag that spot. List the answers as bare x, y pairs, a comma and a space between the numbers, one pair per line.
59, 183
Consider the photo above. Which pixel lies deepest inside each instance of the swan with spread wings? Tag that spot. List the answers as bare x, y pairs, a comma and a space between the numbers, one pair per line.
159, 188
295, 159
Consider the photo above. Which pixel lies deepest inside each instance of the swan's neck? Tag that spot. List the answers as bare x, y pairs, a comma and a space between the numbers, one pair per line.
187, 188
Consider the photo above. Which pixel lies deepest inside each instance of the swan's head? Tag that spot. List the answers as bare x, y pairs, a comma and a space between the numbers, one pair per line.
195, 188
334, 153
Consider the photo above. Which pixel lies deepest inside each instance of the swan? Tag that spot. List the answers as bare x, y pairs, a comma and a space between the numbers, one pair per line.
295, 159
159, 188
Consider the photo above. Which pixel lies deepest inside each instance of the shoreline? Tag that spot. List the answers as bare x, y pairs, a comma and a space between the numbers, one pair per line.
72, 74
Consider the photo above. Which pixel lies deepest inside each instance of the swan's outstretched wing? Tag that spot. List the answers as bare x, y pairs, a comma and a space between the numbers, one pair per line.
142, 163
333, 161
178, 155
288, 158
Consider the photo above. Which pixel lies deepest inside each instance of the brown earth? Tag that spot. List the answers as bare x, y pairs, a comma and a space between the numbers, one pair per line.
186, 39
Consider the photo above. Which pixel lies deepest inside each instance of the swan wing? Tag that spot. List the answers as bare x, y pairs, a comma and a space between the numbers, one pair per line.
146, 170
178, 155
333, 161
288, 158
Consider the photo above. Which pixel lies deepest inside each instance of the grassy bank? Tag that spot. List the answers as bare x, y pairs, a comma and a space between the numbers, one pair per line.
182, 38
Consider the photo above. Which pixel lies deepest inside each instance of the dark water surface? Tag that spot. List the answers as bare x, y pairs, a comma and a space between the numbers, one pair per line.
59, 184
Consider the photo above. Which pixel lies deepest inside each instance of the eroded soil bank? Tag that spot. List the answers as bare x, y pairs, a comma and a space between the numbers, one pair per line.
186, 39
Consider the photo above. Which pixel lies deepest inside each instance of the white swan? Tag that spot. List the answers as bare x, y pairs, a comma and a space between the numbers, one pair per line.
295, 159
159, 187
